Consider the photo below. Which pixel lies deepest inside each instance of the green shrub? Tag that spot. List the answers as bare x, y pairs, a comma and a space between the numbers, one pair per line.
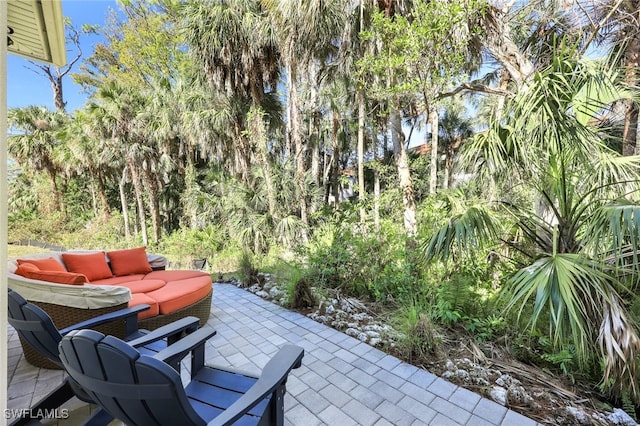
419, 336
186, 245
375, 267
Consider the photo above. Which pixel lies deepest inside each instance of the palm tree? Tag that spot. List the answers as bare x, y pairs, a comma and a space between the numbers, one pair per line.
576, 263
114, 112
237, 52
35, 143
305, 31
91, 155
454, 128
622, 31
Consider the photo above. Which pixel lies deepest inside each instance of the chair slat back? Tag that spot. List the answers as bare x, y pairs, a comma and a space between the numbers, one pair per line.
34, 325
134, 388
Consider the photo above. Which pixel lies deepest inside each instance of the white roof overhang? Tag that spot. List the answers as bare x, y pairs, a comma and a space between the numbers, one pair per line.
36, 30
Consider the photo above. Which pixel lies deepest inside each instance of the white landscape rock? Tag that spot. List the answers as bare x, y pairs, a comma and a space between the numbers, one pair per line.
504, 389
499, 395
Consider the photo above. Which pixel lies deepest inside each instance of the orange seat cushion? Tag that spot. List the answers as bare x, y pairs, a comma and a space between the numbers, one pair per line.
180, 294
48, 264
143, 286
31, 271
139, 299
93, 265
118, 280
175, 275
129, 261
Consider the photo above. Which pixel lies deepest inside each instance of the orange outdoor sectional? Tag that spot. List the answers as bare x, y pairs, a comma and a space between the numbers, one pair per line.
105, 281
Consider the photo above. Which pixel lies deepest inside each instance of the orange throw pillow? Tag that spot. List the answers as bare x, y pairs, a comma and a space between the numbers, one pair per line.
29, 270
48, 264
24, 268
129, 261
93, 265
58, 277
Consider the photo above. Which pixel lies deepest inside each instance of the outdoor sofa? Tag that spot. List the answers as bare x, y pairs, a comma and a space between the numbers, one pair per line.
74, 286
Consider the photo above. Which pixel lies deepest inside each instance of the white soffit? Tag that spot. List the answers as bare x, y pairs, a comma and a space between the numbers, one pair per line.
38, 30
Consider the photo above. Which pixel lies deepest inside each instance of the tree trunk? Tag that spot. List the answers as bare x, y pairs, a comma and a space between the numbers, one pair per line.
498, 41
103, 201
361, 188
123, 203
137, 186
56, 86
335, 175
448, 162
632, 60
94, 198
242, 157
404, 174
260, 138
57, 203
326, 174
434, 119
151, 185
314, 124
376, 176
297, 143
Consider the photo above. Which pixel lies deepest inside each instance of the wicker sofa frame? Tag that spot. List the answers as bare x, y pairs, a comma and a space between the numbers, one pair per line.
65, 316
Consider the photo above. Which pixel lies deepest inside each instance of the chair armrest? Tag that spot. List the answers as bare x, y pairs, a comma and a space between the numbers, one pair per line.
273, 376
128, 314
194, 342
172, 331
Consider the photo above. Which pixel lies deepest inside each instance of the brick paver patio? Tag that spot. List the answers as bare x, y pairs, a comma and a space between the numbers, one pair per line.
342, 381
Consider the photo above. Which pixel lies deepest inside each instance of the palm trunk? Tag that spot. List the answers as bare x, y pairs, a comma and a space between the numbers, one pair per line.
404, 175
137, 186
492, 189
335, 175
57, 203
314, 124
498, 41
297, 143
243, 151
258, 133
102, 195
123, 203
191, 207
94, 199
151, 185
448, 168
630, 132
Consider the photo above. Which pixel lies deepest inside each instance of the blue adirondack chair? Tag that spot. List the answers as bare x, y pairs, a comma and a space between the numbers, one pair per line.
36, 327
144, 390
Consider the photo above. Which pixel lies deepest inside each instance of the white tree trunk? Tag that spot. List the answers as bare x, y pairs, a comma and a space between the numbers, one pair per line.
434, 119
123, 203
361, 189
404, 174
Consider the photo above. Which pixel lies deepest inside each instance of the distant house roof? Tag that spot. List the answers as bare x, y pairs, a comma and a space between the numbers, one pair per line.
423, 149
36, 30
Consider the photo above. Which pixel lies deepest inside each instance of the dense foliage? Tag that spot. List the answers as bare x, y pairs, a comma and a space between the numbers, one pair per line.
257, 135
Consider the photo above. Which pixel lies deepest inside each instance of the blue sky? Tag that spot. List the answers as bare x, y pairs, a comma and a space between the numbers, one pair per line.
25, 87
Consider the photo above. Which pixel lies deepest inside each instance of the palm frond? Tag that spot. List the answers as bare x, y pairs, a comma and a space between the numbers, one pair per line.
463, 233
615, 230
572, 290
619, 343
